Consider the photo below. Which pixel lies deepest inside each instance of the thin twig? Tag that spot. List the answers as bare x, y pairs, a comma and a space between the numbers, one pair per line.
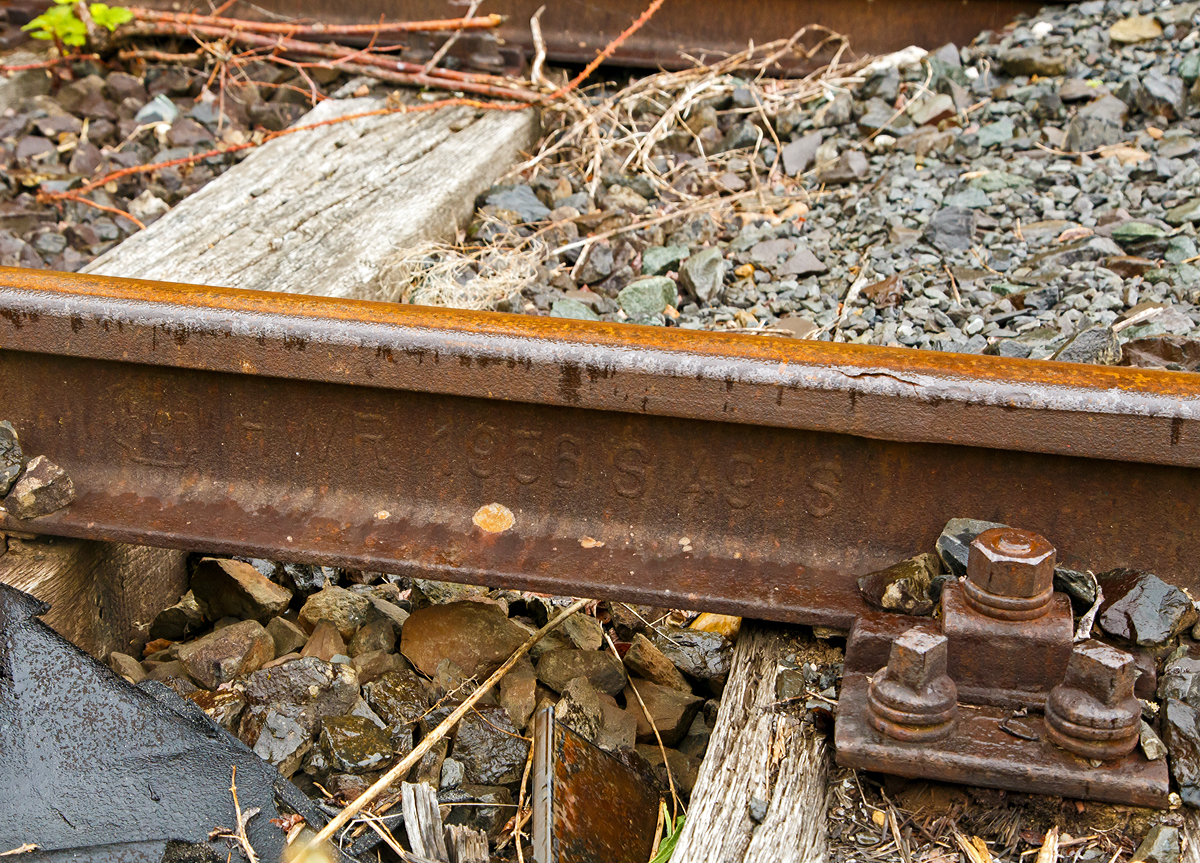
242, 838
443, 728
468, 22
24, 849
539, 45
449, 43
675, 804
79, 199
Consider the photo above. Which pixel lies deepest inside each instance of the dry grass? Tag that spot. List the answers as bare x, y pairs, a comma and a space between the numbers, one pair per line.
441, 274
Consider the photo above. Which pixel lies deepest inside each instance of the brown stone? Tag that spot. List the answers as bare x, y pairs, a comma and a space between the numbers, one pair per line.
399, 697
42, 488
559, 667
684, 769
618, 727
345, 610
228, 653
232, 588
646, 660
126, 666
672, 711
518, 692
374, 664
325, 642
376, 635
288, 636
308, 689
474, 636
224, 706
1128, 266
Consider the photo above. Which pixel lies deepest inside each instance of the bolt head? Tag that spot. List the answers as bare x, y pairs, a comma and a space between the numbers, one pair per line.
1005, 561
917, 659
1103, 672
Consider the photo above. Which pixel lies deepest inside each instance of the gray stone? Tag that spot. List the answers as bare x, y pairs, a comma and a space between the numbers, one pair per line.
1184, 213
573, 309
657, 260
954, 543
489, 818
740, 136
1161, 96
490, 748
596, 266
802, 263
282, 741
834, 112
160, 109
995, 133
557, 668
578, 708
1142, 608
11, 456
798, 156
703, 656
309, 689
453, 773
850, 167
41, 489
1181, 734
1161, 845
951, 229
971, 198
232, 588
1097, 124
1098, 345
1152, 747
703, 274
519, 199
647, 297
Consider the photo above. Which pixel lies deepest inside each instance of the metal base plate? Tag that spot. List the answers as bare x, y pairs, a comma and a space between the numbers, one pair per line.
980, 752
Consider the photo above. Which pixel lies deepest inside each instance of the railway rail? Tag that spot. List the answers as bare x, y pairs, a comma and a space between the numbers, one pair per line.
686, 469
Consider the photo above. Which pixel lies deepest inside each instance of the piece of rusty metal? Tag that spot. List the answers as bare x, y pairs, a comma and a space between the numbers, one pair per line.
991, 748
739, 475
1010, 633
587, 804
575, 30
1093, 712
912, 698
996, 664
1010, 574
93, 768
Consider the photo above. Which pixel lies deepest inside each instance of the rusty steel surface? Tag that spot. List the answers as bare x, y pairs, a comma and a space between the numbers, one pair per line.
981, 752
370, 435
575, 30
587, 804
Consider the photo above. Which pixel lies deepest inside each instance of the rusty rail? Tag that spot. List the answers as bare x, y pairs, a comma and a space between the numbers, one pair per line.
676, 468
575, 30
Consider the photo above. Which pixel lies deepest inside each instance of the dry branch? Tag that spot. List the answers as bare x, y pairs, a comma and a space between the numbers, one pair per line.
427, 743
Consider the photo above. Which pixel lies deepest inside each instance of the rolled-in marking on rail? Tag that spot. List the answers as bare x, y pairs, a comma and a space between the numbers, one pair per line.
494, 517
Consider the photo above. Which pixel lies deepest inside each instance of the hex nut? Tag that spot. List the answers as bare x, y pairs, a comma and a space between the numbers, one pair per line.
1010, 574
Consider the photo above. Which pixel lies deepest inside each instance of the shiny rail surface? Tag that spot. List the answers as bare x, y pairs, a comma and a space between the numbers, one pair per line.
728, 473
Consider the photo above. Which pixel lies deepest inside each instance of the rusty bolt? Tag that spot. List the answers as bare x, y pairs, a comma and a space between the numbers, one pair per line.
912, 698
1093, 712
1010, 574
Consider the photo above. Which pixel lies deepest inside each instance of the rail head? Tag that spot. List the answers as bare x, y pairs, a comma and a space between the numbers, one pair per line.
895, 394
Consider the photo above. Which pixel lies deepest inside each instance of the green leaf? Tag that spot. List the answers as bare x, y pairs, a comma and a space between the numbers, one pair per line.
110, 16
667, 847
59, 21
